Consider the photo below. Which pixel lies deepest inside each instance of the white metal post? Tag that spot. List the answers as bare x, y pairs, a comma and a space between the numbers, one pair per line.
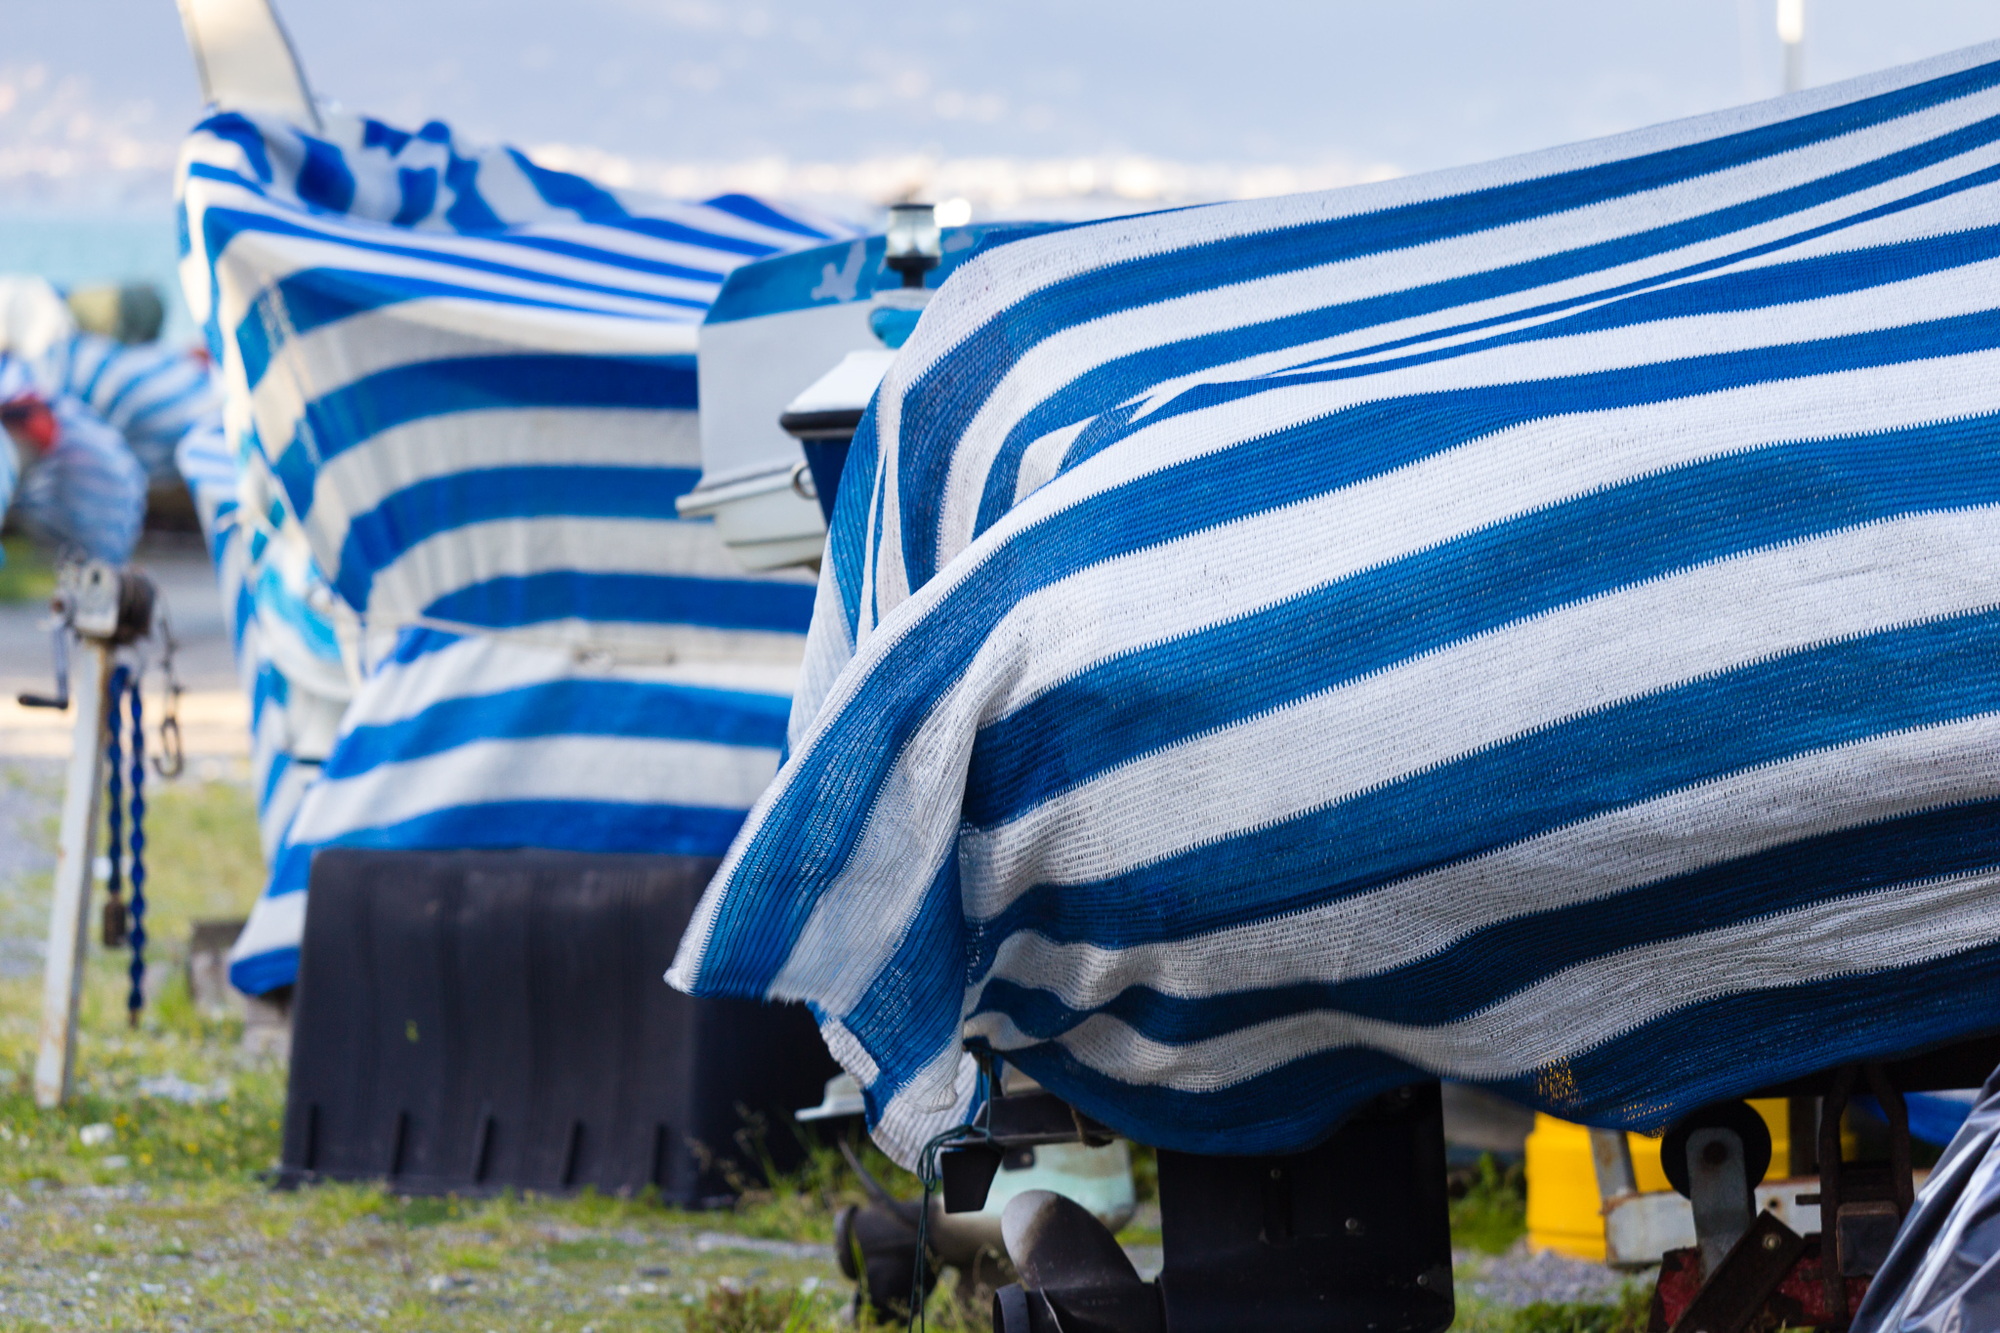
1792, 32
69, 913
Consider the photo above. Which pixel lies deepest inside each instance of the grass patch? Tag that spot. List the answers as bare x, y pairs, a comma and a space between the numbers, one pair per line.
1629, 1315
166, 1221
1489, 1208
26, 574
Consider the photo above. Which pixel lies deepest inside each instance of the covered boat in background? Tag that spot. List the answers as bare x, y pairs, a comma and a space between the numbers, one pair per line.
467, 385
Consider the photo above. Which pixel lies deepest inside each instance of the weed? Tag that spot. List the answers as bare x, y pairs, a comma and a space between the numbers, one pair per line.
1629, 1315
734, 1309
1492, 1212
26, 572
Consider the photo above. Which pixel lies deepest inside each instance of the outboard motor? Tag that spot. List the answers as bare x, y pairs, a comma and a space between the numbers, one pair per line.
803, 339
1352, 1235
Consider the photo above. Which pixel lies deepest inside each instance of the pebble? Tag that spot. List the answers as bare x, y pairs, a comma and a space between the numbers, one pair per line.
1519, 1278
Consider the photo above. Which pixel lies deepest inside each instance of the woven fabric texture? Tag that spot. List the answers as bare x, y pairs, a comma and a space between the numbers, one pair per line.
1533, 625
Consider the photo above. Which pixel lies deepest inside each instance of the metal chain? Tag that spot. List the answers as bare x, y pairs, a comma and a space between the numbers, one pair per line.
170, 725
113, 930
136, 999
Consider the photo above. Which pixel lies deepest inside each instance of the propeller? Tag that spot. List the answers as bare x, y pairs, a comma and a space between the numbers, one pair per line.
1075, 1266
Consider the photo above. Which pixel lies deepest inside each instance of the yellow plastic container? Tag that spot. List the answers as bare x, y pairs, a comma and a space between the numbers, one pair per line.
1565, 1211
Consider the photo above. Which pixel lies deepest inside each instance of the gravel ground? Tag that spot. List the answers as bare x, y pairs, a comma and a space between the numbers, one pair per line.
346, 1258
1519, 1278
168, 1226
30, 800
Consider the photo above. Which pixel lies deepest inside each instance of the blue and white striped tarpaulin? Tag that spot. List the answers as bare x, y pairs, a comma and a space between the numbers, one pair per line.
470, 383
471, 741
1534, 624
474, 378
152, 394
81, 489
15, 382
214, 475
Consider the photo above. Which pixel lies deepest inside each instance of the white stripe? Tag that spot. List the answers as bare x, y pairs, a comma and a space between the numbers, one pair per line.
1500, 685
1881, 778
483, 664
275, 923
362, 477
614, 770
1579, 1008
519, 547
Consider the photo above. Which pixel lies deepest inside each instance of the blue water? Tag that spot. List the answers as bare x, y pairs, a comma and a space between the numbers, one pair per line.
79, 250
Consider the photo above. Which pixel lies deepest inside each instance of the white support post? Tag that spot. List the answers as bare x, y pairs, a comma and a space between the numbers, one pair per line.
69, 913
1611, 1154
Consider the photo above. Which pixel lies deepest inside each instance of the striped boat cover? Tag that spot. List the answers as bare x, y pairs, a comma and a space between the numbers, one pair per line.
278, 777
463, 387
15, 380
152, 394
87, 493
1534, 624
473, 378
471, 741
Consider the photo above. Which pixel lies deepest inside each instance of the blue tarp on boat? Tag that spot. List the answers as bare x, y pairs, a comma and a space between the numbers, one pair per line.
463, 386
1534, 624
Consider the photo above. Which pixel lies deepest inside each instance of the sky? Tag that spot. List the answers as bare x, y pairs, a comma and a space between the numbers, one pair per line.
95, 93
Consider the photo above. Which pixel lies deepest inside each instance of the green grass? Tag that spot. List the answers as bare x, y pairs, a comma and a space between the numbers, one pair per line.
1629, 1315
1491, 1215
27, 574
174, 1219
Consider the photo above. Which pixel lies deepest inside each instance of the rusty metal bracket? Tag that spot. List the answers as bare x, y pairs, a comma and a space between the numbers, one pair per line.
1734, 1294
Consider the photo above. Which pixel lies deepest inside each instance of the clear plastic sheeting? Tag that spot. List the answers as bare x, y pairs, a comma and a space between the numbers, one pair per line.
1943, 1276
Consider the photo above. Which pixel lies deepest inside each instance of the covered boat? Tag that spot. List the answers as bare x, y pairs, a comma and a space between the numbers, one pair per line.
1532, 624
461, 404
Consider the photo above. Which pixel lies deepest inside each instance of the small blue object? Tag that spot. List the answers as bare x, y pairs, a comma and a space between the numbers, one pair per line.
1935, 1117
893, 326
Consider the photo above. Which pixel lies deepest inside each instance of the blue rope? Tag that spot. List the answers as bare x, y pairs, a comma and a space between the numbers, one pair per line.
115, 787
136, 931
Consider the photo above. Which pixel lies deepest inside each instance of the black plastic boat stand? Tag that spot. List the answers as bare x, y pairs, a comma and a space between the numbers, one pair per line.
478, 1021
1351, 1236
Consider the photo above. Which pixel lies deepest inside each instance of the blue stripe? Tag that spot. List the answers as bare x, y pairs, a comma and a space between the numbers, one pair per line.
418, 188
237, 129
468, 212
938, 409
377, 538
585, 826
921, 1013
1314, 458
568, 708
324, 180
1499, 960
1630, 752
364, 408
1112, 712
657, 599
265, 972
761, 213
